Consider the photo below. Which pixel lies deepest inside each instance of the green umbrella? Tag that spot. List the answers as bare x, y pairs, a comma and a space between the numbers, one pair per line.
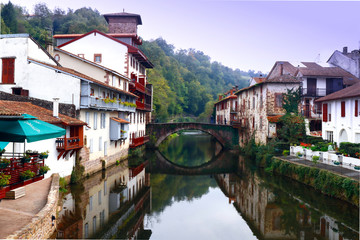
28, 128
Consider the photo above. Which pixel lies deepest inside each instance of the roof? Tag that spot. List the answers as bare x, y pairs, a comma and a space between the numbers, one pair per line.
120, 120
82, 76
42, 114
123, 14
349, 92
134, 36
259, 79
227, 98
140, 56
91, 62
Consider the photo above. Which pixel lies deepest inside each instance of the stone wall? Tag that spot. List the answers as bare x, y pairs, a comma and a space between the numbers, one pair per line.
66, 109
42, 226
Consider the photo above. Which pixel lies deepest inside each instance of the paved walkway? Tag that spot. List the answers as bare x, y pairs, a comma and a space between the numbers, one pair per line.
15, 214
332, 168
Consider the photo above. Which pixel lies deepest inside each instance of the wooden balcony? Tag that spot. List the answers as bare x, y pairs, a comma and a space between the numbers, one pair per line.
136, 86
65, 145
135, 142
135, 171
143, 106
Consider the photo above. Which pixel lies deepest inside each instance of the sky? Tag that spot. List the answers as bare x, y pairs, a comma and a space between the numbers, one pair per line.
239, 34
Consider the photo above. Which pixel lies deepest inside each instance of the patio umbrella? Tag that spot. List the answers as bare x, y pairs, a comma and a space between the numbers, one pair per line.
28, 128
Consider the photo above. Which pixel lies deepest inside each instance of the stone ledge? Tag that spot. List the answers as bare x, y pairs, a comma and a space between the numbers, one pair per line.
41, 225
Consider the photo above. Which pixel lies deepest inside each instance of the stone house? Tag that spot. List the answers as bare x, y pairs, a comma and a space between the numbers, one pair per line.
316, 81
260, 107
341, 115
226, 108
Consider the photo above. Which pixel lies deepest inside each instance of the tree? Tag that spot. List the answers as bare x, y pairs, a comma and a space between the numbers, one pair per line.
8, 14
291, 101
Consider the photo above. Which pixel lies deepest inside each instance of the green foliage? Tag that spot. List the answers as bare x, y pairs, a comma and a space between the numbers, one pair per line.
63, 185
44, 169
315, 159
291, 101
77, 173
4, 179
286, 152
351, 149
27, 175
293, 128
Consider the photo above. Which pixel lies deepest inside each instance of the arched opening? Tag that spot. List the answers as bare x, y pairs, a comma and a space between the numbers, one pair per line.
343, 136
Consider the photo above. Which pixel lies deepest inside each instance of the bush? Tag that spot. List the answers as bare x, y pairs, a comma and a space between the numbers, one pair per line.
351, 149
44, 169
286, 152
27, 175
315, 159
77, 173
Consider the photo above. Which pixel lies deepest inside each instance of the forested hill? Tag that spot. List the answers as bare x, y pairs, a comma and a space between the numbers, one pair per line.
186, 82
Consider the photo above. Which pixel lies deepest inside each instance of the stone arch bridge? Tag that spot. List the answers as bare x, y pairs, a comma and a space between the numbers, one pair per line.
227, 136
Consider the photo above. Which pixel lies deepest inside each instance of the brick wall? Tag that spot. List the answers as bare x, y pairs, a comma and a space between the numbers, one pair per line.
66, 109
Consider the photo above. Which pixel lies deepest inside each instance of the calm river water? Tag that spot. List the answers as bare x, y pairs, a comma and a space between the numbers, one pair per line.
225, 198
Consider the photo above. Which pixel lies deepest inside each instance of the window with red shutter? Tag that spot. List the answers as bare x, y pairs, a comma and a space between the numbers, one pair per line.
342, 109
325, 112
8, 68
356, 108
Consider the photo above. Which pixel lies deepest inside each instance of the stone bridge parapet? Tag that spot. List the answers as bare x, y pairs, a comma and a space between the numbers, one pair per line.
227, 136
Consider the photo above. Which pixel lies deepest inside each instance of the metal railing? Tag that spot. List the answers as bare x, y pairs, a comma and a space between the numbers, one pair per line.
105, 103
313, 92
68, 143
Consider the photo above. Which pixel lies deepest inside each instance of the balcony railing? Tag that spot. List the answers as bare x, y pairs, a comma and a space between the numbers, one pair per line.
136, 86
148, 90
104, 103
135, 142
135, 171
17, 165
68, 143
313, 92
143, 106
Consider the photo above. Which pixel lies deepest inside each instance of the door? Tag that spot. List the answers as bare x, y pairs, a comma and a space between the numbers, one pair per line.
311, 86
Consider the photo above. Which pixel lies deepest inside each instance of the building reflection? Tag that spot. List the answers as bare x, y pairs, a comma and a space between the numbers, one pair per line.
271, 214
109, 204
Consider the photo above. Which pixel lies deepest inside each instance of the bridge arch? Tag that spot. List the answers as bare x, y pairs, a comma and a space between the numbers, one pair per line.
226, 135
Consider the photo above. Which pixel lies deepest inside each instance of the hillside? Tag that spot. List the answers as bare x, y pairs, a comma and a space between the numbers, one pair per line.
186, 82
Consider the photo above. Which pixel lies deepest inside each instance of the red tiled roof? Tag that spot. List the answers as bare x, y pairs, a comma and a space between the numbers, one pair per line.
349, 92
116, 119
123, 14
42, 114
259, 79
134, 36
227, 98
5, 111
73, 72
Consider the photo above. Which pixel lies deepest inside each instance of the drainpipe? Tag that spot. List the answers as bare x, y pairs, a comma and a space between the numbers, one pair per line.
56, 107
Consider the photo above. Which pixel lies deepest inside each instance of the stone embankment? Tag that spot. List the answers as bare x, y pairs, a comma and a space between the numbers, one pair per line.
42, 225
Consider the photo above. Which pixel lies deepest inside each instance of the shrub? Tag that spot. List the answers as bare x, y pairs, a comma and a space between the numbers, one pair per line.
27, 175
315, 159
4, 179
352, 149
286, 152
44, 169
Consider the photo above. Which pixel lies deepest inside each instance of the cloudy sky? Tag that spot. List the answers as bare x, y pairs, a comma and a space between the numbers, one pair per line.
240, 34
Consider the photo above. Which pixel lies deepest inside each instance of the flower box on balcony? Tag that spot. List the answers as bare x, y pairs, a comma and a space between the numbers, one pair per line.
4, 163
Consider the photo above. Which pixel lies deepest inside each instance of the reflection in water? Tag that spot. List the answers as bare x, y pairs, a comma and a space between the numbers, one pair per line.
190, 148
110, 204
245, 203
275, 208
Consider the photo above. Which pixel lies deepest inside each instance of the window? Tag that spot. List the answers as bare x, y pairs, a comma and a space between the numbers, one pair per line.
99, 197
253, 103
343, 109
97, 58
90, 203
8, 69
57, 57
92, 92
87, 119
95, 120
329, 112
94, 224
100, 143
103, 120
105, 148
330, 136
86, 230
278, 99
105, 183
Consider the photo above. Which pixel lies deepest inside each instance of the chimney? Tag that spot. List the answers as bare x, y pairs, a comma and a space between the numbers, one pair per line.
56, 107
50, 49
220, 97
231, 91
345, 50
281, 69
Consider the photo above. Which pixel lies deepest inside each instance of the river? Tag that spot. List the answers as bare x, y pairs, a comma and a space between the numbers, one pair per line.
191, 190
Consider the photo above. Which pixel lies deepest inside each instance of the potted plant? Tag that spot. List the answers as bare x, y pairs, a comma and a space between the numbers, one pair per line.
32, 153
4, 179
299, 154
286, 152
2, 151
44, 169
4, 162
26, 158
357, 167
337, 163
27, 175
315, 159
44, 155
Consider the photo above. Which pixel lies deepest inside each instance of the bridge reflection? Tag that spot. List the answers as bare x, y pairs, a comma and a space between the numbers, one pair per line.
223, 162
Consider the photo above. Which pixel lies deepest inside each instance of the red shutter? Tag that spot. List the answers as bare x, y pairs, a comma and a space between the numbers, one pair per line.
342, 109
356, 108
8, 70
325, 112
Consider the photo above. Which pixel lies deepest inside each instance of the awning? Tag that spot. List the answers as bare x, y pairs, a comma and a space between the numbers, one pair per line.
29, 128
120, 120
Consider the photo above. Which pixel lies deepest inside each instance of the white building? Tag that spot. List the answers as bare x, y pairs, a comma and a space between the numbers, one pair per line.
226, 108
341, 115
349, 61
118, 51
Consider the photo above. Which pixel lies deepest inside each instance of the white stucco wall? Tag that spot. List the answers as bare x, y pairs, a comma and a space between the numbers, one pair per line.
113, 53
349, 124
